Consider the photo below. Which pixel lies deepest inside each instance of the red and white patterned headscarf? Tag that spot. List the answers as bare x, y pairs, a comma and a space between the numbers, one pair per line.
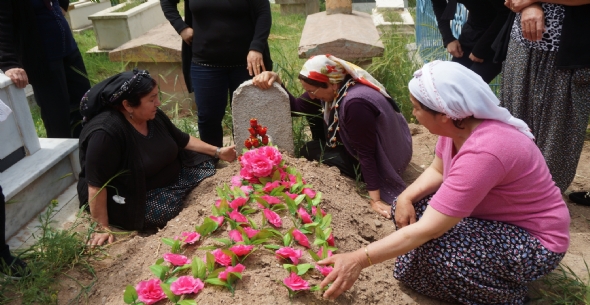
331, 69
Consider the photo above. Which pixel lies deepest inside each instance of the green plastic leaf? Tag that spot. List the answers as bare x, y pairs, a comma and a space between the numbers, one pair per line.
168, 241
159, 261
210, 261
159, 271
315, 288
326, 220
276, 175
130, 295
234, 257
272, 247
263, 202
291, 205
303, 268
166, 288
299, 198
198, 268
264, 180
277, 191
216, 281
319, 241
170, 280
263, 234
208, 226
207, 248
248, 211
225, 241
316, 200
288, 266
314, 255
287, 239
187, 302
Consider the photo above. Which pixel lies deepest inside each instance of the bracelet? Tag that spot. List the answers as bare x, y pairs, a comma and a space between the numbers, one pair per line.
217, 152
368, 257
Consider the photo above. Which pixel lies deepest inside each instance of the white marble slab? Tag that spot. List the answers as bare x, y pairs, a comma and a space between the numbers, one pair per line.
24, 172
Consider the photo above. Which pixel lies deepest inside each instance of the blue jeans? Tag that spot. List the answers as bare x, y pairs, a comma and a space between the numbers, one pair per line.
212, 86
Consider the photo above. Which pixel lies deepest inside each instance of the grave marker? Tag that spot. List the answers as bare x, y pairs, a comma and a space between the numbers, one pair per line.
271, 108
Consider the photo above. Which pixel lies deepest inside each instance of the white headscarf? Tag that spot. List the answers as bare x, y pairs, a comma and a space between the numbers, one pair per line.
450, 88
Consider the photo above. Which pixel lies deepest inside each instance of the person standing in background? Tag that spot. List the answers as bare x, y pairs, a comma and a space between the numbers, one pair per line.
224, 44
473, 48
37, 47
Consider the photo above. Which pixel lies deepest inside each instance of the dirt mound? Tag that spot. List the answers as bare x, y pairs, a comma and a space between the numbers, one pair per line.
354, 225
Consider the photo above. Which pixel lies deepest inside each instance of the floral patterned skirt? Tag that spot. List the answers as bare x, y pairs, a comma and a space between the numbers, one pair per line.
164, 203
476, 262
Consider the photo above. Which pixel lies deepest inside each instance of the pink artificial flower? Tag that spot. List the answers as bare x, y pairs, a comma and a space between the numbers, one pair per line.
250, 232
247, 189
239, 268
321, 252
236, 181
236, 235
186, 285
272, 153
241, 250
218, 203
150, 291
190, 237
270, 199
221, 258
238, 202
293, 196
218, 219
295, 282
314, 210
260, 165
176, 259
289, 253
331, 240
270, 186
324, 270
304, 215
309, 192
301, 238
273, 218
237, 216
287, 184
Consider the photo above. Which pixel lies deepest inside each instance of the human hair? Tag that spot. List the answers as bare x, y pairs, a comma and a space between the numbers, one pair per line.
457, 123
312, 81
141, 90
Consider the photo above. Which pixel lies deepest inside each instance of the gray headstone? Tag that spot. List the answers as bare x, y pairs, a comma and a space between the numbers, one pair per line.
271, 108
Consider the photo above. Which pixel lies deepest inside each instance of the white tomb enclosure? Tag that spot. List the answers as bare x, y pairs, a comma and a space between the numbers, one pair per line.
33, 171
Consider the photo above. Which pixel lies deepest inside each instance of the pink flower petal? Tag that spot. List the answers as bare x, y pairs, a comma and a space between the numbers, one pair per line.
304, 215
176, 259
237, 216
221, 258
273, 218
186, 285
294, 282
241, 250
301, 238
289, 253
150, 291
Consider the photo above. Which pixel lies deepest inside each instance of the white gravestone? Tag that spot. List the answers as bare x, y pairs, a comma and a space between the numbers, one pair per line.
271, 108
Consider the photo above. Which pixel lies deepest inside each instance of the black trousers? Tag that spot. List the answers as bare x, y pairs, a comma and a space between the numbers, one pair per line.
488, 70
59, 94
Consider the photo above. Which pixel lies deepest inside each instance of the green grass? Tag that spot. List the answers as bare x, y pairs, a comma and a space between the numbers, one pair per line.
129, 5
564, 286
54, 254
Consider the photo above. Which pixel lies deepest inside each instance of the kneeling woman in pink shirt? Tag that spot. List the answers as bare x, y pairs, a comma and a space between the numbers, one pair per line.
485, 218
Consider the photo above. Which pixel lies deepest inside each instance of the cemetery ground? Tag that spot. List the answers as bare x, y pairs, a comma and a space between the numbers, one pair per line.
65, 271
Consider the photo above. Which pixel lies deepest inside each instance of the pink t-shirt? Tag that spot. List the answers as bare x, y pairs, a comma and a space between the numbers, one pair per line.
500, 174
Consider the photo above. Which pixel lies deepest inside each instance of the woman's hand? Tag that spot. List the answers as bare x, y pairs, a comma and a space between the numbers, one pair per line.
381, 208
518, 5
18, 76
187, 35
255, 63
228, 153
532, 22
347, 267
98, 238
265, 79
474, 58
405, 214
454, 48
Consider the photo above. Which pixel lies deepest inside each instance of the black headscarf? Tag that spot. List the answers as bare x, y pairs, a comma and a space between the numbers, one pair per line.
112, 91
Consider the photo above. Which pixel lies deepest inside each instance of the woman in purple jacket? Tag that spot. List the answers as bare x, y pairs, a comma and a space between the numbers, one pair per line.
362, 123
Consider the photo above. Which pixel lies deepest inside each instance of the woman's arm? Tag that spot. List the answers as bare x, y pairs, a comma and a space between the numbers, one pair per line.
348, 266
97, 201
227, 153
263, 22
519, 5
427, 183
301, 105
171, 13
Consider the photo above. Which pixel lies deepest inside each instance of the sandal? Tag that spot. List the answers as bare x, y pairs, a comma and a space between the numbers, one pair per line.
581, 198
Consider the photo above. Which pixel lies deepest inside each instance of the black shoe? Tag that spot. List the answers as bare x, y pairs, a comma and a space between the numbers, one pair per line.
581, 198
13, 268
